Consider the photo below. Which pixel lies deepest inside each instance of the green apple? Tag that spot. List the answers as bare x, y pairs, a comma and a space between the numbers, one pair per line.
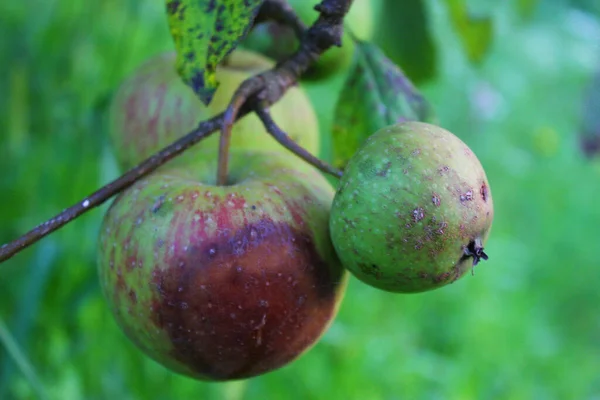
413, 210
278, 41
223, 282
153, 107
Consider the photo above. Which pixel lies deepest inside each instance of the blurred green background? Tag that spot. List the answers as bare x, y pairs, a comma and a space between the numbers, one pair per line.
510, 82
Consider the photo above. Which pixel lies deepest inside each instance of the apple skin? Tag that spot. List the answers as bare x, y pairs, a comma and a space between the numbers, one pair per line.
223, 282
412, 199
278, 41
153, 107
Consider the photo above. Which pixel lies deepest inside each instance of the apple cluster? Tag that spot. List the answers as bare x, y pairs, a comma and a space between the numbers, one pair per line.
224, 282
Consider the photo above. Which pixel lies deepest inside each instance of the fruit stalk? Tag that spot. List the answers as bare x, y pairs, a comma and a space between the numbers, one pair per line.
287, 142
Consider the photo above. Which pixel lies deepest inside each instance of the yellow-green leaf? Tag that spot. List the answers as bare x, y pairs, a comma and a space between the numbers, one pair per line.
205, 32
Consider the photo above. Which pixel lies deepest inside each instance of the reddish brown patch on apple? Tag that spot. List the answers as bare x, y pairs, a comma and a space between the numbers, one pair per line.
111, 259
247, 303
132, 296
153, 123
130, 263
444, 170
120, 285
484, 191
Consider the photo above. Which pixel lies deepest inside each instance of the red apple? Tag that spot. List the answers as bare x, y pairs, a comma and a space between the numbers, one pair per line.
223, 282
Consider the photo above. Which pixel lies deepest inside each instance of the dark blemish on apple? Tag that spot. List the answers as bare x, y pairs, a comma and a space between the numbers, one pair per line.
253, 207
372, 270
272, 251
132, 296
484, 191
158, 204
442, 226
130, 262
468, 196
385, 170
435, 199
121, 286
418, 214
152, 128
444, 170
350, 223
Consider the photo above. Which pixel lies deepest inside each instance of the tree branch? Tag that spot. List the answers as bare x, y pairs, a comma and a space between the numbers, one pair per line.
266, 88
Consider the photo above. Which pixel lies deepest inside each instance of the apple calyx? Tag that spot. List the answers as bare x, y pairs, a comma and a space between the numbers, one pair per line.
475, 249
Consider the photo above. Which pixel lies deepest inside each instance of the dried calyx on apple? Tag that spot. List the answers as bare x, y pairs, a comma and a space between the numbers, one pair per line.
223, 282
413, 209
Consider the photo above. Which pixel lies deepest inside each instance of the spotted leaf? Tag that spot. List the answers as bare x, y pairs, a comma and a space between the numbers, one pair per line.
205, 32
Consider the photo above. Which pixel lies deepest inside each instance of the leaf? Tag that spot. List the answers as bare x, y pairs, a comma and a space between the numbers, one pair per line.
205, 32
404, 35
474, 32
376, 94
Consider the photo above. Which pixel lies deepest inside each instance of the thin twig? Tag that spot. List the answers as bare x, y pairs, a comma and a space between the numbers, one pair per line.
287, 142
239, 98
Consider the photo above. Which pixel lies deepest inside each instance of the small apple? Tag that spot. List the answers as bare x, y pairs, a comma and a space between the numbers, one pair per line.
279, 41
153, 107
413, 210
223, 282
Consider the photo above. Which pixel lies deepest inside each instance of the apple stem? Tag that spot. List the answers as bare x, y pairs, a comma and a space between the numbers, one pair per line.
287, 142
247, 89
267, 87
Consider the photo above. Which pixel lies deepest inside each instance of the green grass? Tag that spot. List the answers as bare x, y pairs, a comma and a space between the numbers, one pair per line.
525, 326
